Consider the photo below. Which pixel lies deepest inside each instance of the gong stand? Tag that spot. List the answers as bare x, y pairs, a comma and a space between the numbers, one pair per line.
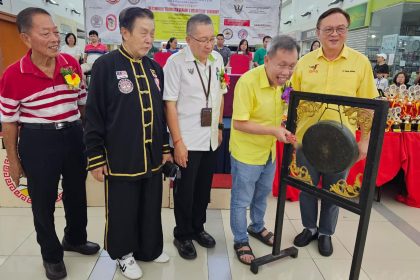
362, 207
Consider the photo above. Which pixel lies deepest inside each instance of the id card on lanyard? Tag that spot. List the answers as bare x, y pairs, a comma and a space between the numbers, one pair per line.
205, 112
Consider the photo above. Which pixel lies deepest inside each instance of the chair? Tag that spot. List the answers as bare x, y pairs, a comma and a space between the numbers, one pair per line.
239, 63
161, 57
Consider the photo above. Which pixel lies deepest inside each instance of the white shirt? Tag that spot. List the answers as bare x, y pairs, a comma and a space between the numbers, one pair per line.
73, 51
183, 85
381, 83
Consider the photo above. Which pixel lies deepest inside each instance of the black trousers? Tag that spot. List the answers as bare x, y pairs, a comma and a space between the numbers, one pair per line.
133, 220
192, 193
46, 155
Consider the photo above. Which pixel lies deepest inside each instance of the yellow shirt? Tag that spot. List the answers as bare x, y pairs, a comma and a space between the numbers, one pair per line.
255, 100
350, 74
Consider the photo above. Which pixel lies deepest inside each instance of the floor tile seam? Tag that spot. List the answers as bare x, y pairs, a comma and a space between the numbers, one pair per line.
398, 222
319, 269
225, 251
27, 237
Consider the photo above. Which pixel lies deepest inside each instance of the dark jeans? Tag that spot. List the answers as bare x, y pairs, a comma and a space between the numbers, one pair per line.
309, 203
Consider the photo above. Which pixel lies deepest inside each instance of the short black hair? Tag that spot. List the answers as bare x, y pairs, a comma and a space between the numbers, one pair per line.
266, 37
220, 34
282, 42
93, 32
333, 11
128, 16
67, 37
197, 19
24, 18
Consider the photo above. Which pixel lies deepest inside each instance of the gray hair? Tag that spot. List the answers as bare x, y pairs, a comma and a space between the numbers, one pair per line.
196, 20
282, 42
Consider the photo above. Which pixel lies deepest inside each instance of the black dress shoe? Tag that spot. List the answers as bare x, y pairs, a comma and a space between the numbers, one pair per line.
89, 248
55, 271
325, 246
304, 238
186, 249
205, 239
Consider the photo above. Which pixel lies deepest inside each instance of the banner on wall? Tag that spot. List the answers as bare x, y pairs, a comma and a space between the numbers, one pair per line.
170, 16
249, 19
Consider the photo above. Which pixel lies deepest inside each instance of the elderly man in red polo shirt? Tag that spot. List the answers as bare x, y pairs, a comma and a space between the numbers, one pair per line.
43, 93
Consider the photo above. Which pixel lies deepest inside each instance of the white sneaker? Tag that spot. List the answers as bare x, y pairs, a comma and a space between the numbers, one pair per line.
129, 268
163, 258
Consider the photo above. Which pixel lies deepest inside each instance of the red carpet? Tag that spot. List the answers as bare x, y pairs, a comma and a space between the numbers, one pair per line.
222, 181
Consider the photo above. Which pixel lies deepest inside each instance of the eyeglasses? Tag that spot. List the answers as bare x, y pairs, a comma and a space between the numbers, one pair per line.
204, 40
330, 30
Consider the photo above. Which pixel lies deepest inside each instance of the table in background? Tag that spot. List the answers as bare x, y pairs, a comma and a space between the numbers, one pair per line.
399, 151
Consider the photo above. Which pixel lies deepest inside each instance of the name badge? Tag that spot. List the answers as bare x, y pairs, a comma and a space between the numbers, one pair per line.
206, 117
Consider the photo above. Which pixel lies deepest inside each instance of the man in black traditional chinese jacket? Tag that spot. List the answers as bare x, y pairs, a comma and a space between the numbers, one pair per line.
127, 143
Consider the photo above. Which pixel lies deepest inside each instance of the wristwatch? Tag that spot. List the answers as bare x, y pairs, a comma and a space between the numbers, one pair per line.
221, 126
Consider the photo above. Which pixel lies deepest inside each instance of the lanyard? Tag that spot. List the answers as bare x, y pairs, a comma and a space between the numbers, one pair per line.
206, 93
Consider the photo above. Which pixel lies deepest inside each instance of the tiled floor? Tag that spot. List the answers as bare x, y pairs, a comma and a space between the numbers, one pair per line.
392, 248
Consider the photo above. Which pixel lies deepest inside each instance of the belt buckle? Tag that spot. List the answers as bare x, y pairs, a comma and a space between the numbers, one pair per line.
59, 125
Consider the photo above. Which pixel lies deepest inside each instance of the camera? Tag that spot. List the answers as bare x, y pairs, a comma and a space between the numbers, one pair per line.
170, 170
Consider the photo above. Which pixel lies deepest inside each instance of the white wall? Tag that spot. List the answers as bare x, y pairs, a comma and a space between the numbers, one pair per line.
60, 12
293, 9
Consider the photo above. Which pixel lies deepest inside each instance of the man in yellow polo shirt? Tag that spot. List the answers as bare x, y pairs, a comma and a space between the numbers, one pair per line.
337, 70
256, 126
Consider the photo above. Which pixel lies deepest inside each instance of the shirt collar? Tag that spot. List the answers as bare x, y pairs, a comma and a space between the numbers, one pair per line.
190, 57
124, 52
264, 82
343, 54
28, 67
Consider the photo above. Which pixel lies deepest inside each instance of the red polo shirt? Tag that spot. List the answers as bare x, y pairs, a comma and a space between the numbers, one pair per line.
27, 95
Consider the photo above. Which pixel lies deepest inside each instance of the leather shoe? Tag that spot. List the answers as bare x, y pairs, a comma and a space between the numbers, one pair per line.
205, 239
325, 246
186, 249
304, 238
89, 248
55, 271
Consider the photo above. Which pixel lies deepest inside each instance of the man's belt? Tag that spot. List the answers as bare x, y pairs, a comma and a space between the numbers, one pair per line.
51, 126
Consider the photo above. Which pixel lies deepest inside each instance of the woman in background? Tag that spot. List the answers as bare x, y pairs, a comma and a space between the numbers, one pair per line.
243, 49
172, 45
401, 79
70, 47
315, 45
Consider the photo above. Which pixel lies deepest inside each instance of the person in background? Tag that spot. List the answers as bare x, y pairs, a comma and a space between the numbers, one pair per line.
127, 143
315, 45
401, 79
380, 80
93, 51
332, 69
70, 47
381, 67
41, 108
417, 79
260, 53
222, 49
172, 45
256, 126
243, 49
193, 93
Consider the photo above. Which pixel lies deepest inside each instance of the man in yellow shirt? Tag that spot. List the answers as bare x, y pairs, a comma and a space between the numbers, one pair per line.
256, 126
337, 70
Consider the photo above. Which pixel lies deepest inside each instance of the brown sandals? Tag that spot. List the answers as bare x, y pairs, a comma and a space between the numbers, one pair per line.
258, 235
240, 253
